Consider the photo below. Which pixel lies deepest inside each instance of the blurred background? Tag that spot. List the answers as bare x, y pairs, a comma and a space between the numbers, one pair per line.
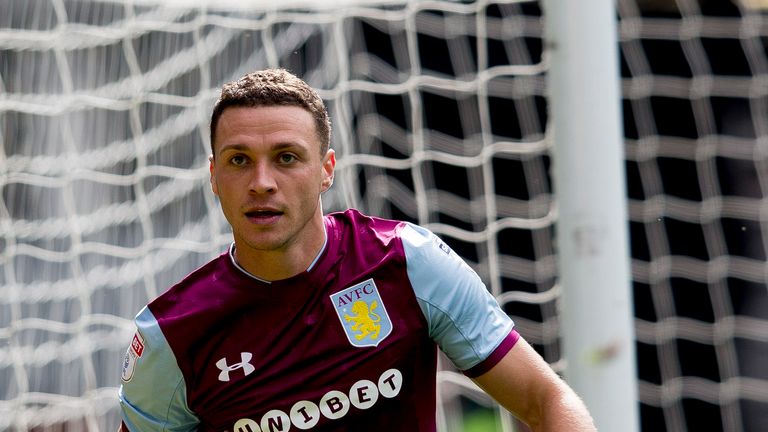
440, 115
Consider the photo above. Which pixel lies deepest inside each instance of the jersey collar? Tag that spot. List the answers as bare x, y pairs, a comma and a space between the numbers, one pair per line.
311, 265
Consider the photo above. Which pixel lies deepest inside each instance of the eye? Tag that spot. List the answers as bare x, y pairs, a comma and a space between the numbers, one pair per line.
286, 158
238, 160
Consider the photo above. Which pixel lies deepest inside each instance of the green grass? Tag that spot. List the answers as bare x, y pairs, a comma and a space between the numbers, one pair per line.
480, 421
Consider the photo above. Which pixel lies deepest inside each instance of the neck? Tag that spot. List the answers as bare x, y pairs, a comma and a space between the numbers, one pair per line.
272, 265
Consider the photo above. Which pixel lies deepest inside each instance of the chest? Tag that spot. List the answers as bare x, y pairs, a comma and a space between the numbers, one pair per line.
325, 353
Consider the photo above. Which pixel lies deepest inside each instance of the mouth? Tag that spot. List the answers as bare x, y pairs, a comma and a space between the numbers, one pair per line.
263, 216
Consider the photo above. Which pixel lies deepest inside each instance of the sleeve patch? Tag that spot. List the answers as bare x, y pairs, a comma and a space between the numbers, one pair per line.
131, 357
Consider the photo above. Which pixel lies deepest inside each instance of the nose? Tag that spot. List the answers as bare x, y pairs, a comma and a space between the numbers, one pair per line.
262, 179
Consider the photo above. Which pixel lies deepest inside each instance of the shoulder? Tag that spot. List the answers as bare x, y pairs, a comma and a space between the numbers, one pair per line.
418, 243
193, 288
188, 310
356, 222
352, 230
428, 255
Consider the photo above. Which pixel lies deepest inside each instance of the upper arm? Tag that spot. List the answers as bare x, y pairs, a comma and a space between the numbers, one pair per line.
153, 392
463, 318
523, 383
479, 337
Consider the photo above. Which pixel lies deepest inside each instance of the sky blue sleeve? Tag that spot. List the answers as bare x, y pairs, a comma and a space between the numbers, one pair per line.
153, 393
464, 318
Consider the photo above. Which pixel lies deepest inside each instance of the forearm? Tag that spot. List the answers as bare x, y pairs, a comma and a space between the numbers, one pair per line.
554, 409
526, 386
563, 411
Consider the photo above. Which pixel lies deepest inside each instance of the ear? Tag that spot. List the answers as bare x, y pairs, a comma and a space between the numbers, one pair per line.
329, 164
214, 188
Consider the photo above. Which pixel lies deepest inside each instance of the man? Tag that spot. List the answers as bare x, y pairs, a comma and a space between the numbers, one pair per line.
313, 321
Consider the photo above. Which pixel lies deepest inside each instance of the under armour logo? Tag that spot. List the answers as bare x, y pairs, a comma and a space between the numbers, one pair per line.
225, 369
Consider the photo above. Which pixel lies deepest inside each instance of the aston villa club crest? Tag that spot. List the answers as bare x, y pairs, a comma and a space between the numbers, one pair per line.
362, 314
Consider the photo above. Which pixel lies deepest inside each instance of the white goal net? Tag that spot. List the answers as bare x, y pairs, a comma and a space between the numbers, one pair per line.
440, 117
695, 85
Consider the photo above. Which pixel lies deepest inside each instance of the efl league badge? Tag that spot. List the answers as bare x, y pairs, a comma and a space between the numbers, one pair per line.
131, 356
362, 314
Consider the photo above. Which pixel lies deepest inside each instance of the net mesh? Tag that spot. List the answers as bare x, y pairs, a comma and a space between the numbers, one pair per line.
696, 124
440, 118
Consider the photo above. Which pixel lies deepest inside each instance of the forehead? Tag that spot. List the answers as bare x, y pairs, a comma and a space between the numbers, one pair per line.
266, 123
266, 116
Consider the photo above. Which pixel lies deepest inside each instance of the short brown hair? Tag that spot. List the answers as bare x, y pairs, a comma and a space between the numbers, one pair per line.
271, 87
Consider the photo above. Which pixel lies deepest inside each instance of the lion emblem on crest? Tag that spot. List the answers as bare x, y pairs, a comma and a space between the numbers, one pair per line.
362, 314
365, 320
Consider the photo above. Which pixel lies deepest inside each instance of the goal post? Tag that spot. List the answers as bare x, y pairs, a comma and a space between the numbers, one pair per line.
592, 235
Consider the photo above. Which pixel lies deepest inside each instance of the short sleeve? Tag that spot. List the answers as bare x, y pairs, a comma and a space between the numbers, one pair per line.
153, 393
464, 319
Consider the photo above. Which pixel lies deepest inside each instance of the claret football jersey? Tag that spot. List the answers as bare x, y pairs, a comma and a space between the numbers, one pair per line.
348, 345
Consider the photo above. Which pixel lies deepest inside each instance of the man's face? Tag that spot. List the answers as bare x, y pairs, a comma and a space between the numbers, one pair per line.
268, 174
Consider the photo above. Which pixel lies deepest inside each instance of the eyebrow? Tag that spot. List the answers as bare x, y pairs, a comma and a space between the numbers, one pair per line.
275, 147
